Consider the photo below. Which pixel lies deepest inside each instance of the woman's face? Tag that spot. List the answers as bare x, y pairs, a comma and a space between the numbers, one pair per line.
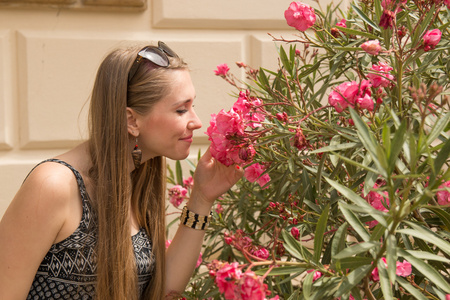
167, 130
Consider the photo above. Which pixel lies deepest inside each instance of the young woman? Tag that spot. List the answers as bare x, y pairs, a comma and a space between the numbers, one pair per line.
90, 223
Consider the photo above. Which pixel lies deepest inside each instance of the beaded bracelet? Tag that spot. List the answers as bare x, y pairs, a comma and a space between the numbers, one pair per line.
193, 220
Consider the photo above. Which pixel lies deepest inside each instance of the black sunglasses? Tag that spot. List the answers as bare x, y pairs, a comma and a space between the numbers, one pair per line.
157, 55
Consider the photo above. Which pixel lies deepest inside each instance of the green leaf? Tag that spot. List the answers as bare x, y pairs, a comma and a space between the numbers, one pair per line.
179, 172
285, 61
292, 245
354, 262
437, 129
355, 223
412, 290
283, 270
309, 69
356, 249
307, 285
339, 240
441, 158
426, 235
319, 234
442, 214
391, 257
352, 279
366, 19
384, 280
396, 146
426, 270
428, 256
336, 147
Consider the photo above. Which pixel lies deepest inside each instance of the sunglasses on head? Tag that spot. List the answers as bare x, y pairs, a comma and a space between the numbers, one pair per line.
157, 55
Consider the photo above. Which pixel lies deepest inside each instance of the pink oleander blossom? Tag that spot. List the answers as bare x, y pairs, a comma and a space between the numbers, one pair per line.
382, 78
387, 19
350, 94
219, 208
226, 278
261, 252
372, 47
379, 201
341, 23
443, 196
295, 233
300, 16
317, 274
188, 182
254, 173
222, 70
403, 269
250, 287
447, 2
431, 39
177, 194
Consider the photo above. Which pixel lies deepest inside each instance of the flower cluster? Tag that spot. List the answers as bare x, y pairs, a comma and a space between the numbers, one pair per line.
300, 16
352, 94
403, 269
230, 143
378, 200
177, 194
443, 195
243, 243
238, 285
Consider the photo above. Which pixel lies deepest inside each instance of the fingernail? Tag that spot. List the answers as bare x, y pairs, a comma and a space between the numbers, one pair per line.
237, 167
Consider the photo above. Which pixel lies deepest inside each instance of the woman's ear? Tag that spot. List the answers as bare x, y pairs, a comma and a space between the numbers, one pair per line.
133, 127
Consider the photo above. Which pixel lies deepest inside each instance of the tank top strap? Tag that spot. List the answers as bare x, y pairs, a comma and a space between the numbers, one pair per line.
79, 178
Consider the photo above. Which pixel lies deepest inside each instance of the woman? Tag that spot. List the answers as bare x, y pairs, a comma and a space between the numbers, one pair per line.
90, 224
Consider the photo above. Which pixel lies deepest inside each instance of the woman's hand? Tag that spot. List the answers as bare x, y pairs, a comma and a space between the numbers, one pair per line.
212, 179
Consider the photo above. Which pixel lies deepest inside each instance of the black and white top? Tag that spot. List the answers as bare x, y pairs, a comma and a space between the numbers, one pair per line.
69, 267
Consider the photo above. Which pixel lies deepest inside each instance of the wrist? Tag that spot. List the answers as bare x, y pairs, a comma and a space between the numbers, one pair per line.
199, 204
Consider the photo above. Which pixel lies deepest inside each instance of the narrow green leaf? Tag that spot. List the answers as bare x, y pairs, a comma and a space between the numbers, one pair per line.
292, 245
285, 61
426, 235
320, 230
339, 240
352, 279
437, 129
428, 256
179, 172
281, 271
412, 290
396, 147
356, 249
309, 70
354, 262
391, 257
441, 158
386, 135
442, 214
366, 18
336, 147
355, 223
307, 285
426, 270
384, 280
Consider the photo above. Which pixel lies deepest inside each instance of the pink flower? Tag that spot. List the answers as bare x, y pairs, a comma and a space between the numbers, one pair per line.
379, 201
177, 194
295, 233
382, 78
317, 274
199, 260
219, 209
403, 269
261, 253
188, 182
443, 195
300, 16
447, 2
250, 287
431, 39
341, 23
351, 94
387, 19
254, 173
447, 297
226, 277
222, 70
372, 47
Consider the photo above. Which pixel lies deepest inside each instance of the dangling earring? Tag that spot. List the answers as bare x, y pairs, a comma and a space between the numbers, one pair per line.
137, 155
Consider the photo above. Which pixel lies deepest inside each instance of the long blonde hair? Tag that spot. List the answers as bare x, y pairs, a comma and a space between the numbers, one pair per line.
114, 187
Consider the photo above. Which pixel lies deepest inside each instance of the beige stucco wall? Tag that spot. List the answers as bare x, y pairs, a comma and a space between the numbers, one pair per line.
49, 54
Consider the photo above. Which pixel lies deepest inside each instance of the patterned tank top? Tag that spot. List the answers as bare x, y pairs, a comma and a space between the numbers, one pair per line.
69, 267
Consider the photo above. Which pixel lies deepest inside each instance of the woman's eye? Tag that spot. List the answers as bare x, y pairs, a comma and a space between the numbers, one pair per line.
182, 111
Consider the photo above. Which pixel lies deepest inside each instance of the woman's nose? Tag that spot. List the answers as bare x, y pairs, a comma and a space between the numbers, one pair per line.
195, 123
